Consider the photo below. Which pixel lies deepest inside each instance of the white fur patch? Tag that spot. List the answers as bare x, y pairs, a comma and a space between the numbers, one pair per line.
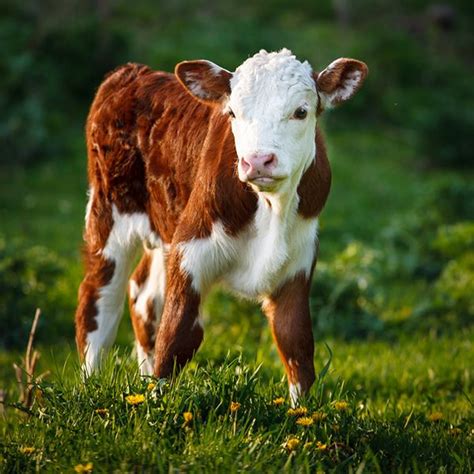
153, 288
109, 312
295, 394
145, 360
89, 205
127, 231
273, 248
192, 81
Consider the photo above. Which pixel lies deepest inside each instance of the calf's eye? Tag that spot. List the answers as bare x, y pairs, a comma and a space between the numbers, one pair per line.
231, 113
300, 113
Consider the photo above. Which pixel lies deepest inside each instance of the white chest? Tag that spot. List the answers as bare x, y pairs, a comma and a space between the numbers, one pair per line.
254, 263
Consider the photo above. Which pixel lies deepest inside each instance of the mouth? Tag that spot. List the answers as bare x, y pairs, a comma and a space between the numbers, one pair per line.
265, 182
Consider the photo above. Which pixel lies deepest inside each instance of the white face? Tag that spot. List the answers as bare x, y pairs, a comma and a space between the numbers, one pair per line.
273, 104
272, 100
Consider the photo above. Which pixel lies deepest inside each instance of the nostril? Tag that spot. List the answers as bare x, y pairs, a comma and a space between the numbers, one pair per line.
244, 164
269, 161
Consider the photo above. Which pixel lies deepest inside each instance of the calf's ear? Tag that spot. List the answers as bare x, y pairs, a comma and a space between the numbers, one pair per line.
339, 81
204, 80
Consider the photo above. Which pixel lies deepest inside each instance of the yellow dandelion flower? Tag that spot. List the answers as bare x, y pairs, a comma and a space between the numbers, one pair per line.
151, 386
305, 421
27, 450
135, 399
298, 411
84, 467
319, 416
435, 416
321, 446
234, 406
278, 401
188, 417
341, 405
103, 412
308, 445
292, 444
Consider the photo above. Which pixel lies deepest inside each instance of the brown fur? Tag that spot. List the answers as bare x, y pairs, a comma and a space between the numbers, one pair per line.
288, 313
178, 336
314, 186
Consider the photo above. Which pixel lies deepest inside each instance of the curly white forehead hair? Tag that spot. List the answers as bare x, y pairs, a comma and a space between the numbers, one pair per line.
280, 66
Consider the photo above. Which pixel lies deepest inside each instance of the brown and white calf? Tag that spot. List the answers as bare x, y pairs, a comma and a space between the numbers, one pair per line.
221, 177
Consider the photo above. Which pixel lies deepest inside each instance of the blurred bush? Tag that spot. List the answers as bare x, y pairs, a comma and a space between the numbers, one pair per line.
50, 65
344, 293
419, 272
30, 278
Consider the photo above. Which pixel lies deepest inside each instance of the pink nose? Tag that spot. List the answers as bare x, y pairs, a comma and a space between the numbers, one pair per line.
258, 165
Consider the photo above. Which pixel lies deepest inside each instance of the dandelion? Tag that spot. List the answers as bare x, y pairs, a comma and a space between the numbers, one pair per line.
151, 386
298, 411
234, 406
292, 444
455, 431
341, 405
84, 467
27, 450
103, 412
435, 416
308, 445
318, 416
321, 446
278, 401
135, 399
305, 421
188, 417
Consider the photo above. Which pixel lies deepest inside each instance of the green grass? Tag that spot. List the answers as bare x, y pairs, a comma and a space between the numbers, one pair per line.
391, 392
393, 385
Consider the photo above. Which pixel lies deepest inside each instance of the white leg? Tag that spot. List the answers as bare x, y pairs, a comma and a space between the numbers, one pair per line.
146, 296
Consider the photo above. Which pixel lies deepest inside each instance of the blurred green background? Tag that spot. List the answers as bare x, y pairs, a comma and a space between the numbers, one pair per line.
397, 235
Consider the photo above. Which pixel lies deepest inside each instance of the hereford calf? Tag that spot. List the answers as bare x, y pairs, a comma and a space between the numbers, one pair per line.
221, 177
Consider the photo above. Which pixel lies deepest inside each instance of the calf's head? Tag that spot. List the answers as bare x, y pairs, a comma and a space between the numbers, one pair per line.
273, 101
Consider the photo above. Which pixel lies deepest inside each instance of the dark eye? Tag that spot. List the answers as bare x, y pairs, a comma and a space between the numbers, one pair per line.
231, 113
300, 113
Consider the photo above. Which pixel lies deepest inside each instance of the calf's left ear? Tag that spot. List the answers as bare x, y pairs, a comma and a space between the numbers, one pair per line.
204, 80
339, 81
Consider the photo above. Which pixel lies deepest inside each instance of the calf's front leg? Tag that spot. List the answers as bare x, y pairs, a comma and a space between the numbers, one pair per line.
288, 313
180, 333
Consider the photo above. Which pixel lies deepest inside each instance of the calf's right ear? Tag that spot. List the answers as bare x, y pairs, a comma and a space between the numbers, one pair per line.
204, 80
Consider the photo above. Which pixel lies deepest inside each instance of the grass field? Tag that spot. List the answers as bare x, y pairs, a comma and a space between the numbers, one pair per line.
400, 400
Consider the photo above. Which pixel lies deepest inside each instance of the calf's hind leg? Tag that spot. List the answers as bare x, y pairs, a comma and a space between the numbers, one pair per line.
146, 297
102, 292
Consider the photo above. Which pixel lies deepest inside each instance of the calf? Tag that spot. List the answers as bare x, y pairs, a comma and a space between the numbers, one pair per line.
221, 177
